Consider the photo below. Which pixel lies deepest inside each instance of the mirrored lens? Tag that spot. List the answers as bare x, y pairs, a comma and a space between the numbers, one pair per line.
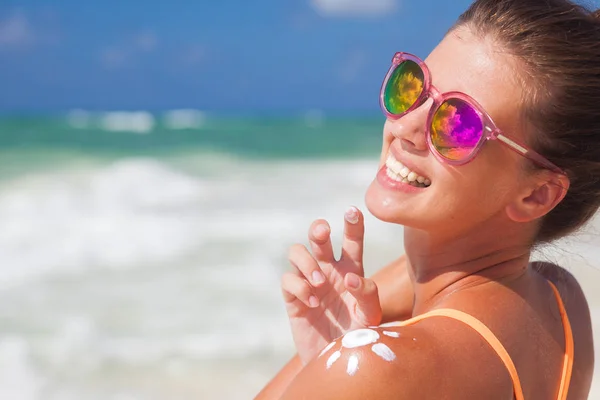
456, 129
404, 87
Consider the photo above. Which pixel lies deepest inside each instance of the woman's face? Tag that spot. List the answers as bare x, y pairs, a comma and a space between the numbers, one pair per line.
459, 197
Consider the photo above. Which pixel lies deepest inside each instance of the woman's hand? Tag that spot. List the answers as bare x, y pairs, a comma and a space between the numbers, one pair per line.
325, 297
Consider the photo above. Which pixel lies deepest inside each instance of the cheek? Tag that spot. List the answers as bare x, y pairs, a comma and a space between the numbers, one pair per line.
388, 138
479, 189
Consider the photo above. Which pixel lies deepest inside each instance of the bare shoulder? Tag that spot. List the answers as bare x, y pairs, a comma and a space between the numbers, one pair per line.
578, 313
570, 290
563, 279
381, 363
385, 363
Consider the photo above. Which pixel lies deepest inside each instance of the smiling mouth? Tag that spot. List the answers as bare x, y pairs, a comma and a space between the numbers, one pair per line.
398, 172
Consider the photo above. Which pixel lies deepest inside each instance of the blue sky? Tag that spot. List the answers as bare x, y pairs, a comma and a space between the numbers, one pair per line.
220, 55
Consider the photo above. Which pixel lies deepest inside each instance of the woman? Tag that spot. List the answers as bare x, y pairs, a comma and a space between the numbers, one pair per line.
491, 146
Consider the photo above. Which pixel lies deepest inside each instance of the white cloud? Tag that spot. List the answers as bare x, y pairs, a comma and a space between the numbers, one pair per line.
354, 8
16, 31
20, 30
125, 53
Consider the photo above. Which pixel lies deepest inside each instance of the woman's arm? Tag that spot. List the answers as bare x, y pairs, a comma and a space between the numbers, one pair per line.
277, 386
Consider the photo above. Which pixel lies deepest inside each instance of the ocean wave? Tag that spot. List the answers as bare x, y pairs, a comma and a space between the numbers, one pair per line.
184, 119
141, 122
141, 211
126, 213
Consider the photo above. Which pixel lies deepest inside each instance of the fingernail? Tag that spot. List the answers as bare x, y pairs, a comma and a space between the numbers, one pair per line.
353, 281
321, 230
351, 215
317, 277
313, 301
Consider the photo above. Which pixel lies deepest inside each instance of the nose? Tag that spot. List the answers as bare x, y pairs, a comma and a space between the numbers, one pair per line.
412, 127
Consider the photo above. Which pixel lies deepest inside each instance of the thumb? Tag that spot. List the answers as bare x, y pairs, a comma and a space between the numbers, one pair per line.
364, 290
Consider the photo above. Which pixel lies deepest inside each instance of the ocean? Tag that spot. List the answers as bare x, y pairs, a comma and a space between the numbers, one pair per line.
140, 254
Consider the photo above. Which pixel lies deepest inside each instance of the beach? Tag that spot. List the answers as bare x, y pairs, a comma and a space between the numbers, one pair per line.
146, 265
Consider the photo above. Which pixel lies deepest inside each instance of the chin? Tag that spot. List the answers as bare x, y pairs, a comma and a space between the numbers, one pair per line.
386, 208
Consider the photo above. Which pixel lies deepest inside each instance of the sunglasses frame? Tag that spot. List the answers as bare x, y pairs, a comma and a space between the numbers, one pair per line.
490, 130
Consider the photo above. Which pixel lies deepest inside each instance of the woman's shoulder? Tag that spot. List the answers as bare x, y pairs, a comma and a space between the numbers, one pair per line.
426, 360
573, 298
564, 280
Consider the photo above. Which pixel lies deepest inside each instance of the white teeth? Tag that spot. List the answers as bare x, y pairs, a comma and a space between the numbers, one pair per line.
392, 175
398, 172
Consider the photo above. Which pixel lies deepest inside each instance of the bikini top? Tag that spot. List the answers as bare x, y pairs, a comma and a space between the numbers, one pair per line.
493, 341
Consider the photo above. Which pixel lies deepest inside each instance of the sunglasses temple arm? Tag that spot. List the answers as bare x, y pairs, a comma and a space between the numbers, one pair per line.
530, 154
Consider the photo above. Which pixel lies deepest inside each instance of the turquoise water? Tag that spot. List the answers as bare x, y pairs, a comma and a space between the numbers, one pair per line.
250, 137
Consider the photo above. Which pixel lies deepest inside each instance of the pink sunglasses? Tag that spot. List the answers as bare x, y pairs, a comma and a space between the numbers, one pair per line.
457, 126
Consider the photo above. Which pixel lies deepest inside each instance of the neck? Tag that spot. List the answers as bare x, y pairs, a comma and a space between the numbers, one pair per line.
439, 266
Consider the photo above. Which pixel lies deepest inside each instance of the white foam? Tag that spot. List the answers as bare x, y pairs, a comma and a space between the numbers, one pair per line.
120, 215
18, 379
184, 119
139, 212
127, 121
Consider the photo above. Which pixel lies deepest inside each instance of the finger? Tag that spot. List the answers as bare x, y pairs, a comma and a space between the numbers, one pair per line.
319, 237
368, 307
305, 265
353, 241
296, 288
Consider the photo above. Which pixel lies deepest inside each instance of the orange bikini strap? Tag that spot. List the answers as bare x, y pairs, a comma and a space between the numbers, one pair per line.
485, 332
569, 347
493, 341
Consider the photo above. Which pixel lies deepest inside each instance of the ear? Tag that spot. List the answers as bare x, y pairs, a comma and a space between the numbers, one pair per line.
539, 198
